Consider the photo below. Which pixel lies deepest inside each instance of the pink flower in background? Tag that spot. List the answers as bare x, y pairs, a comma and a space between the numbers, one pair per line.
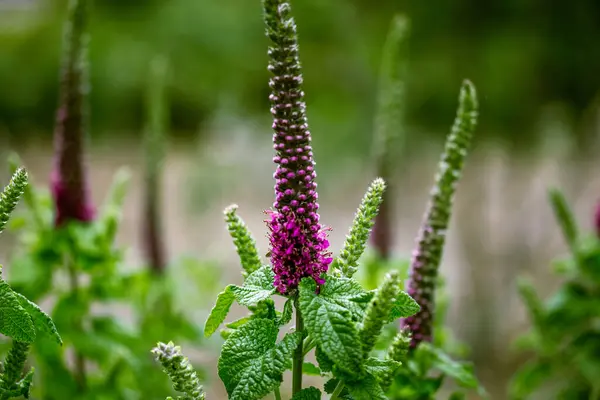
68, 181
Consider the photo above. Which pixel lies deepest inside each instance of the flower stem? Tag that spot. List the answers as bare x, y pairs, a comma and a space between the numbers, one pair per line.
298, 358
309, 344
338, 389
80, 372
277, 394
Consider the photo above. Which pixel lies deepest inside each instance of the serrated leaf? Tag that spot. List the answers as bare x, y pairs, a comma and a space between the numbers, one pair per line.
330, 385
257, 287
251, 365
41, 321
238, 322
325, 364
366, 389
330, 325
15, 321
262, 278
219, 312
310, 393
404, 306
347, 293
381, 368
310, 369
286, 315
249, 296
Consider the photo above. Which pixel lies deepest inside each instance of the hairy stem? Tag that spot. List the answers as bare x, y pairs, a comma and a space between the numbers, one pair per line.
80, 371
338, 389
298, 358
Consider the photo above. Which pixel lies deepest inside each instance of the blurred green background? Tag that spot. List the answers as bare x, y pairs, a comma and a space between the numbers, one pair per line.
521, 54
535, 63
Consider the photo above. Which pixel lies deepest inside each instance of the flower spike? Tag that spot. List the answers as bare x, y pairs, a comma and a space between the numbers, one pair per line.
68, 178
430, 244
179, 369
299, 245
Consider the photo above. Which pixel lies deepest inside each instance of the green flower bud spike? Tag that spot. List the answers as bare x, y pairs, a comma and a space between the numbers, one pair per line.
430, 244
180, 371
354, 246
398, 352
378, 311
14, 364
11, 194
243, 241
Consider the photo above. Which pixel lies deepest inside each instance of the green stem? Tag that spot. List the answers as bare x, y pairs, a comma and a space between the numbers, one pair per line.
338, 389
80, 372
309, 344
277, 394
298, 358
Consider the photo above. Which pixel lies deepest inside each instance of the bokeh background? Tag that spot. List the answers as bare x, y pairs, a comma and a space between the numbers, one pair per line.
535, 63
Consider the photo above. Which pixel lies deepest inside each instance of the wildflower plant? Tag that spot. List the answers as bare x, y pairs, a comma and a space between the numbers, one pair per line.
332, 314
20, 319
428, 364
564, 340
67, 253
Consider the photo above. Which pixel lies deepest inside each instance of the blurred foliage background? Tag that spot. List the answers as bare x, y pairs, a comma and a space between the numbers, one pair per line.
535, 65
522, 55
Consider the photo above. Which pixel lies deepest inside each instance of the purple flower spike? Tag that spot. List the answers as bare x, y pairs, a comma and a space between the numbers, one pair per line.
68, 178
299, 245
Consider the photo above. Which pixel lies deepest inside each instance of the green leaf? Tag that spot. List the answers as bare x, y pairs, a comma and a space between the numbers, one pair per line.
41, 320
404, 306
238, 322
310, 393
528, 379
258, 286
381, 368
262, 278
325, 364
249, 296
310, 369
330, 385
286, 315
565, 218
462, 373
330, 325
457, 396
15, 322
347, 293
366, 389
219, 312
251, 365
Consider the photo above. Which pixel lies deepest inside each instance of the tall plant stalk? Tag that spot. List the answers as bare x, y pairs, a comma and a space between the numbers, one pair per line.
154, 155
388, 129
